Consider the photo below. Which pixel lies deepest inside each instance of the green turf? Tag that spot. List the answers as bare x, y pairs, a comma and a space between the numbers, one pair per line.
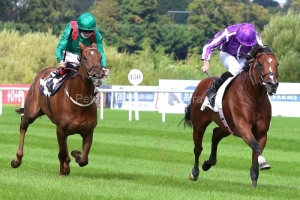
145, 159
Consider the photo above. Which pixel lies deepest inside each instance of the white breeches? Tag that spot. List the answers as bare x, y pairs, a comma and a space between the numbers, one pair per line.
72, 58
233, 65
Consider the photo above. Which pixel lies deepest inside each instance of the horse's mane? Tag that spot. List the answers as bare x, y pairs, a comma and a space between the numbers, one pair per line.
254, 51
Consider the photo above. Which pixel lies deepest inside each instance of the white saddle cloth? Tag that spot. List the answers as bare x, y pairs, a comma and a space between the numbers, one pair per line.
219, 97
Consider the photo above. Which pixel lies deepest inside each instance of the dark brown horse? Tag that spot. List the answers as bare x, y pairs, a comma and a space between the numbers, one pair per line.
246, 108
72, 108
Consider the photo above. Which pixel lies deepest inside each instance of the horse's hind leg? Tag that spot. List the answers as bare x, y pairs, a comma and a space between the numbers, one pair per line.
218, 135
197, 137
82, 157
29, 114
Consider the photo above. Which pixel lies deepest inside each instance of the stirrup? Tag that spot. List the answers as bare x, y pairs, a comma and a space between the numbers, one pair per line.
49, 85
212, 101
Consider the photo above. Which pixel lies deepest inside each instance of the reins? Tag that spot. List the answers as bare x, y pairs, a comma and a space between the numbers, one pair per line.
88, 76
245, 89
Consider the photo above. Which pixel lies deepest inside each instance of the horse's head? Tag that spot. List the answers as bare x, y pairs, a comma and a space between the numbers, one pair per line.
263, 68
90, 61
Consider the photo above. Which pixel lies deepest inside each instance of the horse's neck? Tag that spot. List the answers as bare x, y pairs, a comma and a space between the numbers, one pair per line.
81, 85
255, 92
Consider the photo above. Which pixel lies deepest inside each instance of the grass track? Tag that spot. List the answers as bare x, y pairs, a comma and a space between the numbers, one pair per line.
145, 159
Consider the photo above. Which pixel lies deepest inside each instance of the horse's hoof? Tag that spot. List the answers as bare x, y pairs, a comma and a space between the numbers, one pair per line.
264, 166
206, 166
14, 164
76, 153
254, 183
192, 178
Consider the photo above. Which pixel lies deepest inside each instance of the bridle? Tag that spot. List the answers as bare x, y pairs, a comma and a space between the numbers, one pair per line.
258, 67
83, 62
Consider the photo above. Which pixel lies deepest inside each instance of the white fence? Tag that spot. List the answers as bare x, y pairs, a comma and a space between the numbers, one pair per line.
132, 91
285, 103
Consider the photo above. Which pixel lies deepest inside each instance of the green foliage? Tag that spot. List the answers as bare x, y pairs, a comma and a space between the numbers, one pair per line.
138, 11
79, 7
5, 7
208, 16
212, 16
296, 5
41, 15
20, 27
23, 56
283, 35
164, 6
266, 3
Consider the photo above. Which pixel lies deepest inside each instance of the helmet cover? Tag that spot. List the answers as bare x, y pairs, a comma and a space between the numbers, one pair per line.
246, 34
86, 22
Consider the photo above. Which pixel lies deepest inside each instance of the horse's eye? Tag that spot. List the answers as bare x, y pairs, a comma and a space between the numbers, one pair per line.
84, 58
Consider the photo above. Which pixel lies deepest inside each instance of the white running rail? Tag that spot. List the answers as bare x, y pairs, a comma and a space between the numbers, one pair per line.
101, 91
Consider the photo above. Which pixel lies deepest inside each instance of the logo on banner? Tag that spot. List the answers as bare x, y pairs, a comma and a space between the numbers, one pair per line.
120, 97
186, 96
14, 96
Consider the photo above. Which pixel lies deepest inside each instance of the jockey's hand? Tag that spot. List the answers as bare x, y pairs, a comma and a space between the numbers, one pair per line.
105, 71
62, 64
205, 66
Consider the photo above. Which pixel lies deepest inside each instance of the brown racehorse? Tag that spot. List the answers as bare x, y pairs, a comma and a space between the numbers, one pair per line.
246, 108
72, 108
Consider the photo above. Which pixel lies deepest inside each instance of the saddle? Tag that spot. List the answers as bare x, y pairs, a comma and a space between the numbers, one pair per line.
56, 84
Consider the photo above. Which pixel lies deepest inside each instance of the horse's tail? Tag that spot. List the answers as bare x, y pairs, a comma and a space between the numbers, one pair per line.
187, 117
20, 111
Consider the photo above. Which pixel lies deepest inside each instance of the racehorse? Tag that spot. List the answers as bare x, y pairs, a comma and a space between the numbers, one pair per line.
73, 109
246, 108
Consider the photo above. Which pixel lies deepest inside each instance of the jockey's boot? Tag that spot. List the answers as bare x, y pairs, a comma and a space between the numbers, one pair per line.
216, 84
49, 84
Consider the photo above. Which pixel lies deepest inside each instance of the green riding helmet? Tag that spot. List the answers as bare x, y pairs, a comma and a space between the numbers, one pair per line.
86, 22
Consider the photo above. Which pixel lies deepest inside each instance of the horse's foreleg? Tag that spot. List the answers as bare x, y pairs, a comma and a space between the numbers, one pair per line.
218, 135
263, 164
63, 155
245, 132
197, 137
258, 162
82, 158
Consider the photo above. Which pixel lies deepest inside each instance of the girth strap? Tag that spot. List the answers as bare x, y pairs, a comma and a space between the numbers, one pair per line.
221, 114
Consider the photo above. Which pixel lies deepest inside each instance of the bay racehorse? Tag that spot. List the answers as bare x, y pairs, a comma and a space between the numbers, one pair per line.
72, 108
246, 108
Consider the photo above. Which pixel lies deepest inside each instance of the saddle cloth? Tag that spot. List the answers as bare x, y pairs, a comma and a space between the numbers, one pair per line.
56, 84
219, 97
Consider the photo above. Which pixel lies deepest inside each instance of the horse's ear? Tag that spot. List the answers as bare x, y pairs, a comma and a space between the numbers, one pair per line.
81, 45
94, 45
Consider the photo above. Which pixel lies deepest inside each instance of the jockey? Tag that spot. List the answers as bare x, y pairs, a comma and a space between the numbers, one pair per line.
233, 42
67, 50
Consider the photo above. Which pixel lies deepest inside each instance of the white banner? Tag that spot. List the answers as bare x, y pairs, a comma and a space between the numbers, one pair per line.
175, 102
286, 101
147, 101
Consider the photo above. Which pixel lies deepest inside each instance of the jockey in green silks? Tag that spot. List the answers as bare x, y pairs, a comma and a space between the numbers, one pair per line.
84, 31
